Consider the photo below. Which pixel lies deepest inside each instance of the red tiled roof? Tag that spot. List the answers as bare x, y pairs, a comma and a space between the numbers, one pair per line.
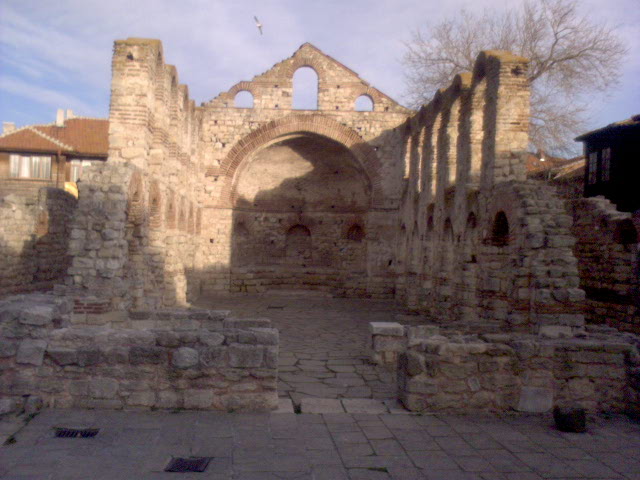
80, 136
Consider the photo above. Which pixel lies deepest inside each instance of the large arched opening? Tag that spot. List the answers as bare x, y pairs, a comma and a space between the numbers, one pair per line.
299, 206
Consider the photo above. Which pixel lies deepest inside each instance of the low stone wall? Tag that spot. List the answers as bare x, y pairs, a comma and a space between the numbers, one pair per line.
497, 372
218, 364
334, 281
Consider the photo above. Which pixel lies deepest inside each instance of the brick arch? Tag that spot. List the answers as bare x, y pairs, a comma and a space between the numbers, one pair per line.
241, 87
372, 93
317, 124
305, 61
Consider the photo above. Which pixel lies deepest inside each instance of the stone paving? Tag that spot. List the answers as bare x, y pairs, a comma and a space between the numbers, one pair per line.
138, 445
323, 342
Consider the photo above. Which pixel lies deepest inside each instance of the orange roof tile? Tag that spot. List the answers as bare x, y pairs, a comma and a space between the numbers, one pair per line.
80, 136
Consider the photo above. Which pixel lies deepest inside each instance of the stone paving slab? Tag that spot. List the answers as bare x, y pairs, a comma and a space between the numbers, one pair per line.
138, 445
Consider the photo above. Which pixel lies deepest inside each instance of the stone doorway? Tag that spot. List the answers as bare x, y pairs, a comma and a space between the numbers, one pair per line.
323, 342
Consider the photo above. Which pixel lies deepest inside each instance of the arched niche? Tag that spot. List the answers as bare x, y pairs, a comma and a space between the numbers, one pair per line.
298, 245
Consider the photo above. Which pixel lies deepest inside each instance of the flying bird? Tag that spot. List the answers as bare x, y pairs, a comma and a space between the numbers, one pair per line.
258, 24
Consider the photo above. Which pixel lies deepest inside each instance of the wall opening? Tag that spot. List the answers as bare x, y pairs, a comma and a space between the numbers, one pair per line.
500, 230
298, 245
243, 99
364, 103
305, 89
355, 233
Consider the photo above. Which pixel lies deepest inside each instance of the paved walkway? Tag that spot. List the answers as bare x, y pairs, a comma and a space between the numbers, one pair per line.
323, 342
132, 445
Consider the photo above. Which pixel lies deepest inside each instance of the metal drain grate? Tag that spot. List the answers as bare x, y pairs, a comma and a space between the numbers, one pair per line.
191, 464
76, 432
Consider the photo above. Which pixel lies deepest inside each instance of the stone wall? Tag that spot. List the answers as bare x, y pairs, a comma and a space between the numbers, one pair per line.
608, 254
33, 244
477, 242
194, 360
497, 372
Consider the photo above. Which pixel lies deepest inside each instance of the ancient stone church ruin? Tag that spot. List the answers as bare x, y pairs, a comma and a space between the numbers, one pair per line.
432, 208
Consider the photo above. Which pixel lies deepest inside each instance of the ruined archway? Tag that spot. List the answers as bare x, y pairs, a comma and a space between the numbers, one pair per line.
297, 124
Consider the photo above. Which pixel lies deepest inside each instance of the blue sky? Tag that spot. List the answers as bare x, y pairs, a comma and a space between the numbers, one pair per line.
57, 54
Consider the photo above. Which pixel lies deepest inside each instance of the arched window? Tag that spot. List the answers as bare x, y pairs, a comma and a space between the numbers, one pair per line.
448, 231
500, 230
305, 89
364, 103
243, 99
298, 244
170, 218
355, 233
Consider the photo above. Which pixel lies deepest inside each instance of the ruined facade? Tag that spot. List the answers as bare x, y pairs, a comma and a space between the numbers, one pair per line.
219, 198
430, 208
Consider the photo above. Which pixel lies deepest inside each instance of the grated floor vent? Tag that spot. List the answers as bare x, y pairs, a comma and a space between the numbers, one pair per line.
191, 464
76, 432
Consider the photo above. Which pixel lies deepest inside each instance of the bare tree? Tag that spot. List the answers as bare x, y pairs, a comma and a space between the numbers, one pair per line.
570, 56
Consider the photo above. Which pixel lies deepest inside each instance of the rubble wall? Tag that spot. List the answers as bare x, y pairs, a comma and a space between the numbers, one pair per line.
608, 254
33, 243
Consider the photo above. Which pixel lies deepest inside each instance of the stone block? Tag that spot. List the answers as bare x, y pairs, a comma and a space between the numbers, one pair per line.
101, 387
244, 323
147, 355
245, 356
8, 405
185, 357
38, 314
142, 399
169, 399
421, 385
198, 399
392, 329
535, 400
31, 352
213, 356
88, 357
414, 363
555, 331
7, 348
212, 339
389, 344
63, 356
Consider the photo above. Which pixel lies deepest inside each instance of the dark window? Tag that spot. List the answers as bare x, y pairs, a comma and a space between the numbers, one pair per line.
605, 174
593, 168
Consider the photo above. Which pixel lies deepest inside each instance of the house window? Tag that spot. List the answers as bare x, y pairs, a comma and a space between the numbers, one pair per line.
76, 168
593, 168
605, 174
30, 167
